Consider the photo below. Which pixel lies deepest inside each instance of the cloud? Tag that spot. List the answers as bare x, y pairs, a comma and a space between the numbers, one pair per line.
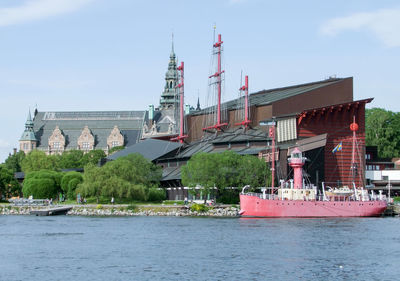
384, 24
32, 10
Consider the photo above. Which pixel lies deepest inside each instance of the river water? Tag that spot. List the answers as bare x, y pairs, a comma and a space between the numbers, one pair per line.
185, 248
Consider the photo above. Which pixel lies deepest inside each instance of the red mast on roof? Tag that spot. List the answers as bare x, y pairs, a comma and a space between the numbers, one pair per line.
181, 136
245, 88
217, 75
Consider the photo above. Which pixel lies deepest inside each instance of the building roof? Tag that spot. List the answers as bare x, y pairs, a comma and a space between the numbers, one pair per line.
151, 149
100, 123
265, 97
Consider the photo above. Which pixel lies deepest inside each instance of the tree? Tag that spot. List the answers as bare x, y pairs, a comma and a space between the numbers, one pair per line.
9, 186
14, 161
222, 170
71, 159
42, 184
126, 177
37, 160
69, 183
115, 149
93, 157
382, 130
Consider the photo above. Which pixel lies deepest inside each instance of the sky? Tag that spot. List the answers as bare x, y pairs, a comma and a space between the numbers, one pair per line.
86, 55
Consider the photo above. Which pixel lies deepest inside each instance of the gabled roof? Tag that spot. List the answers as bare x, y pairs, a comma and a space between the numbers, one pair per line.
151, 149
100, 123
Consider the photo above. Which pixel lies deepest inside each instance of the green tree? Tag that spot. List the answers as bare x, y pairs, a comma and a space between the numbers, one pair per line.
115, 149
42, 184
92, 157
222, 170
69, 183
14, 161
126, 177
9, 186
37, 160
71, 159
382, 129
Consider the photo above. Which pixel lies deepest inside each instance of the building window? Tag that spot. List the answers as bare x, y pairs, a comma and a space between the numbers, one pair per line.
25, 146
85, 146
367, 156
56, 145
114, 143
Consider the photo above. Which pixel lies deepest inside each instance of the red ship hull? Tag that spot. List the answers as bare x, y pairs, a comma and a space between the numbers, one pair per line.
253, 206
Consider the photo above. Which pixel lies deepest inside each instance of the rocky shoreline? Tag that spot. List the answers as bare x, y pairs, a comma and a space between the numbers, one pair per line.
98, 210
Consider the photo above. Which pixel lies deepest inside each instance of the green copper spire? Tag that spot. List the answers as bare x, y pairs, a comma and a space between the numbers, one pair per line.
28, 134
169, 97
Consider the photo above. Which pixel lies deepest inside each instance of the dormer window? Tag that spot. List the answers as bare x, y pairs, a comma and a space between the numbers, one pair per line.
85, 146
56, 145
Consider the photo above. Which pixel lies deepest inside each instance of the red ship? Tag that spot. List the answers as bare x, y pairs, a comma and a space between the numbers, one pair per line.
296, 199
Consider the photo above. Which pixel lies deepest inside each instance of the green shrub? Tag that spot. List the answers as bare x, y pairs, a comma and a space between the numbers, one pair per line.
69, 182
228, 196
199, 208
99, 207
72, 187
40, 188
137, 192
156, 195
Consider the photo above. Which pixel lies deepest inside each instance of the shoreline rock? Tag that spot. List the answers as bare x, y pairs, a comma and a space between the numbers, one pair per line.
118, 211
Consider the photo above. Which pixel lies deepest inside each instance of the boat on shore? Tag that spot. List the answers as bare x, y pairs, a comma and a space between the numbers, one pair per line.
297, 199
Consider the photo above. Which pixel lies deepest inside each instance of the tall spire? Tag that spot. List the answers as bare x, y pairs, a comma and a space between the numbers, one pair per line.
28, 134
169, 97
198, 104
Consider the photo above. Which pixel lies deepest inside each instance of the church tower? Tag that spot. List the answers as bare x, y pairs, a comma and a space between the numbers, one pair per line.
28, 141
169, 97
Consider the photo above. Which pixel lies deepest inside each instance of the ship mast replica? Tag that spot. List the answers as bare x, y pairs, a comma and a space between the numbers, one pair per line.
217, 75
245, 89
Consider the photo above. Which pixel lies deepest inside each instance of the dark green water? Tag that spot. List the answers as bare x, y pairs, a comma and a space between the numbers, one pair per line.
181, 248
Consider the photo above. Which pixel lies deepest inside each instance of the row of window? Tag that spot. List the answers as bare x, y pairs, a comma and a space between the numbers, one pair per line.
85, 145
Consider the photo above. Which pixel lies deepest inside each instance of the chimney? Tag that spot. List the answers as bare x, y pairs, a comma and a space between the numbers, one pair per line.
151, 113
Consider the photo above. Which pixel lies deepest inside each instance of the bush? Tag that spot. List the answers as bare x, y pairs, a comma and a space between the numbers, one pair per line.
69, 182
156, 195
199, 208
99, 207
228, 196
40, 188
137, 192
72, 187
42, 184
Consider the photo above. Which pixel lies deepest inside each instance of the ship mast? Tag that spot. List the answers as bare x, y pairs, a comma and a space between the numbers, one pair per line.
181, 136
353, 128
245, 88
218, 47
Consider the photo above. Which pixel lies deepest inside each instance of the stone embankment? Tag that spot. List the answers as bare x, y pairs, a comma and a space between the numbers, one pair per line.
155, 210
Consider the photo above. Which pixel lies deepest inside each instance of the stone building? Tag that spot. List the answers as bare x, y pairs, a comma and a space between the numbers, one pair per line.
56, 132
